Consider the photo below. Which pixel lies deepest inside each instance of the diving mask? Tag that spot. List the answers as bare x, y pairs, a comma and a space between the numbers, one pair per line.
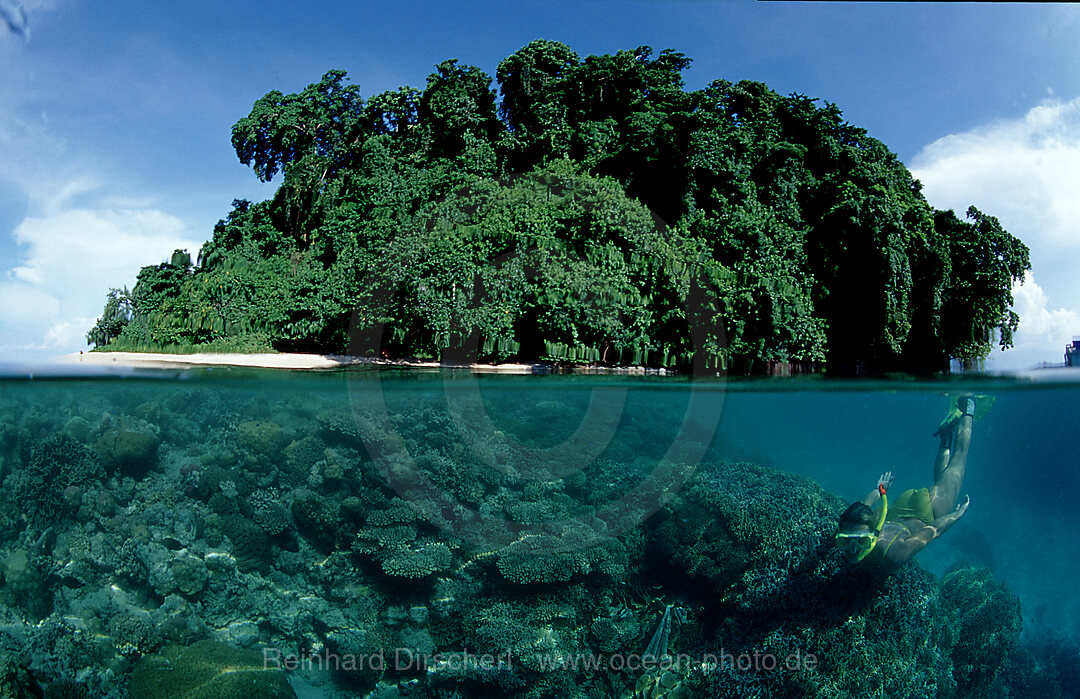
862, 543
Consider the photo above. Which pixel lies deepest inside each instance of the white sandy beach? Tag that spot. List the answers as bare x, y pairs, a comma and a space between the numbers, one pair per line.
278, 361
309, 362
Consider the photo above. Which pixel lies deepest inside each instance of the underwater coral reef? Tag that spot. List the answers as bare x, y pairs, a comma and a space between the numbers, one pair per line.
174, 540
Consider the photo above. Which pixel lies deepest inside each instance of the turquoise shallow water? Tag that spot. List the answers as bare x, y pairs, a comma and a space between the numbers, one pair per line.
364, 510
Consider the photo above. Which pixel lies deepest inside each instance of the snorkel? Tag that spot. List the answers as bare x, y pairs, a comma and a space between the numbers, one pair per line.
871, 537
884, 510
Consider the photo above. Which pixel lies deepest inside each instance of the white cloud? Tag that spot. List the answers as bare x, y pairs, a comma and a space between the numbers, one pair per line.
1023, 171
68, 333
1040, 325
1026, 172
78, 238
68, 261
85, 244
22, 303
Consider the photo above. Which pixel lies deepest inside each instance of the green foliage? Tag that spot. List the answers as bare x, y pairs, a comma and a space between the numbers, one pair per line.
457, 109
535, 84
248, 343
117, 314
985, 261
319, 123
515, 276
398, 228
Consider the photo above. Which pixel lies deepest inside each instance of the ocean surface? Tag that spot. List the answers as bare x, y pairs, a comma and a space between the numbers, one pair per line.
146, 514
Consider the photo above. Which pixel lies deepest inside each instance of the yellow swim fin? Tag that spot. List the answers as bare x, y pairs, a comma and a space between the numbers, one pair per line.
983, 403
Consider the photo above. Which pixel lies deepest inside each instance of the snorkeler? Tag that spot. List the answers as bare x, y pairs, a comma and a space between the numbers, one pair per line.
885, 533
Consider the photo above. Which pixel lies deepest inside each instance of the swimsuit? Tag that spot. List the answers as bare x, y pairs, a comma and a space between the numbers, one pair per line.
910, 504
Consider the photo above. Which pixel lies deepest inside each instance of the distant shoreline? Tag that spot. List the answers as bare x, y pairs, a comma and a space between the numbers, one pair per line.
316, 362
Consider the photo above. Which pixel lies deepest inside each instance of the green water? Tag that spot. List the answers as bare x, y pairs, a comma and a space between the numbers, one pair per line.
357, 512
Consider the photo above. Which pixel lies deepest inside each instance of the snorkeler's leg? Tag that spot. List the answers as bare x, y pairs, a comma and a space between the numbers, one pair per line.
942, 459
947, 486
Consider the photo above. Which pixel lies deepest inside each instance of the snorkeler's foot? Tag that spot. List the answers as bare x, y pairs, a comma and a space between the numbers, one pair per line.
974, 405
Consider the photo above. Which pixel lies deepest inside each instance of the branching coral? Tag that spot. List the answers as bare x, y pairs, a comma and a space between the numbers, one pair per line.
392, 537
55, 465
268, 512
546, 558
417, 562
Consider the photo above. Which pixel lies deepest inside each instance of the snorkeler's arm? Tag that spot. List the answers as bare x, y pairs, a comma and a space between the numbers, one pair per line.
945, 521
939, 525
884, 480
902, 551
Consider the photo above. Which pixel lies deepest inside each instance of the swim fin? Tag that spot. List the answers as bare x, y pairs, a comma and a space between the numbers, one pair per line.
983, 403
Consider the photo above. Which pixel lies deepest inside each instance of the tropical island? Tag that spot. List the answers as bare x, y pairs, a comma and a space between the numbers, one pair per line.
589, 210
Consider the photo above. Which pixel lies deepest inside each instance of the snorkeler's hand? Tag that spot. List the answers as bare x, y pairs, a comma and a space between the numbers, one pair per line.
962, 507
885, 480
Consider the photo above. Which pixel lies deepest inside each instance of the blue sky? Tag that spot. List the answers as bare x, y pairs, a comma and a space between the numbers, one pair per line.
115, 117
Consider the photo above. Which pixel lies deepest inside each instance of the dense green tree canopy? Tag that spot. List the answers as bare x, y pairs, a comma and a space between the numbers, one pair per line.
590, 209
